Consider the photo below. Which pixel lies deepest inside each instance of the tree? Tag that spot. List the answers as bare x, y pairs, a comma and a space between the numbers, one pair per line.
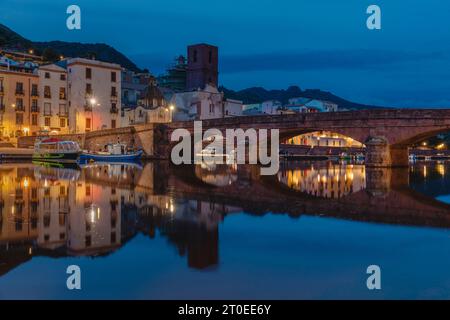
50, 55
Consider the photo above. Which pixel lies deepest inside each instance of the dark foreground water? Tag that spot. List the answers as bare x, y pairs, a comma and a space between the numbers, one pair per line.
210, 231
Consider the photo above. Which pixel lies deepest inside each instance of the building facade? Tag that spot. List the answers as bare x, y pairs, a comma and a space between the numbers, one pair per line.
18, 102
94, 95
53, 100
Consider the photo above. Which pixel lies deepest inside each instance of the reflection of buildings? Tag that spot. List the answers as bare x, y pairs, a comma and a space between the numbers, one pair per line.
332, 181
324, 139
58, 212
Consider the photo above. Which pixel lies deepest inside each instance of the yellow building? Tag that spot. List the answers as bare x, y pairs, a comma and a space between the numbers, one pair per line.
19, 109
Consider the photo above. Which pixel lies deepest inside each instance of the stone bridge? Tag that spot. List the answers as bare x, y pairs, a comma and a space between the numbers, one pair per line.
387, 133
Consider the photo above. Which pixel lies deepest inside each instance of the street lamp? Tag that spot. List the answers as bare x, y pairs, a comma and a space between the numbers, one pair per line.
171, 108
93, 103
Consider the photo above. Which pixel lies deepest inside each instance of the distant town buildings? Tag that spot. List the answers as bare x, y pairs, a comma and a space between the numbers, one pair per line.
78, 95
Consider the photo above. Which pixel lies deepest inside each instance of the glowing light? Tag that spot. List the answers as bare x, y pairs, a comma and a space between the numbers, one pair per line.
26, 183
171, 108
93, 101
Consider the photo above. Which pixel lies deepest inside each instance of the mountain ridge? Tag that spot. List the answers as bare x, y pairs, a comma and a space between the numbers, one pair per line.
260, 94
53, 49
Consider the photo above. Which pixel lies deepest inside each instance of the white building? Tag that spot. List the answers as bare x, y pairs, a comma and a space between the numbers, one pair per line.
301, 104
94, 95
208, 103
271, 106
53, 104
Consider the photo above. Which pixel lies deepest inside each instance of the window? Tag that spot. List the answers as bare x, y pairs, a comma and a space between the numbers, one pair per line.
34, 89
62, 93
88, 73
63, 112
88, 123
19, 118
47, 75
19, 104
19, 87
210, 57
88, 88
113, 124
113, 76
195, 56
211, 108
34, 105
62, 122
34, 119
47, 92
88, 190
62, 77
47, 109
113, 92
47, 122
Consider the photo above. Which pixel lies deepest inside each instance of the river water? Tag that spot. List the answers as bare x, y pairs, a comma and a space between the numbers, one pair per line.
154, 231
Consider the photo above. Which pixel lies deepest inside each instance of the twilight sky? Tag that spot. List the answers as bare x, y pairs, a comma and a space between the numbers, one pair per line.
320, 44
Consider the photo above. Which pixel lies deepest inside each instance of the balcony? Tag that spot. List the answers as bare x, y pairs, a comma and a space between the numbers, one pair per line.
87, 107
35, 109
62, 96
89, 94
34, 94
63, 114
2, 90
20, 92
114, 95
47, 113
47, 95
2, 108
114, 110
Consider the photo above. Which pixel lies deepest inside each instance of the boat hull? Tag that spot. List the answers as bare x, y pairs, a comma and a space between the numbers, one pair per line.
56, 157
89, 157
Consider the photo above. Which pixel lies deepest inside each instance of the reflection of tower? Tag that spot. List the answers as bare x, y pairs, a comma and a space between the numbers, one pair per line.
203, 69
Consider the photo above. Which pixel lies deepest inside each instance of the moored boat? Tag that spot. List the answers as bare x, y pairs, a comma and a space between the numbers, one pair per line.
114, 153
53, 150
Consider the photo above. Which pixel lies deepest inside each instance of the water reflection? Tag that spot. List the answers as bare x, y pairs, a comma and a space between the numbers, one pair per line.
326, 179
95, 210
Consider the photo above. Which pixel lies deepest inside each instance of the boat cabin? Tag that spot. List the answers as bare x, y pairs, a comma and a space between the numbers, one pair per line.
56, 145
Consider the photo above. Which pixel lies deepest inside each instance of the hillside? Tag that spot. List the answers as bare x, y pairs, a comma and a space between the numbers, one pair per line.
53, 49
258, 95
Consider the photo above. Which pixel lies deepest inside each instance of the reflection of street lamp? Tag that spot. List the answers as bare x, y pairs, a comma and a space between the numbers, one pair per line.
26, 130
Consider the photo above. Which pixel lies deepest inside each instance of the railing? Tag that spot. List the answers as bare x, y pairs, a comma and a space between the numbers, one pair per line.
19, 92
47, 113
87, 107
63, 114
2, 90
114, 110
34, 93
47, 95
35, 109
2, 108
62, 96
20, 108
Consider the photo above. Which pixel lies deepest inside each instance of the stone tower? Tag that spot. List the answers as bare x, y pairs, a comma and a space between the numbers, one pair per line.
203, 66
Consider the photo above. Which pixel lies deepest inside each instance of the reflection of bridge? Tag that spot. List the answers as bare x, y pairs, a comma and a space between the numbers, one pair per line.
387, 198
386, 133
